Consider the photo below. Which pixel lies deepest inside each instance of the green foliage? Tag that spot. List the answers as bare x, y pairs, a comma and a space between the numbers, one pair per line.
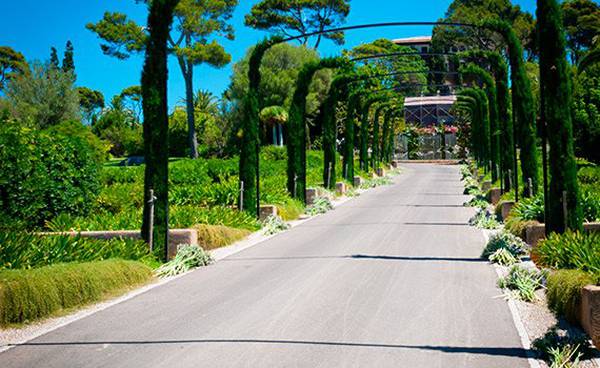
118, 125
523, 102
90, 102
43, 175
187, 258
29, 295
76, 130
320, 206
586, 112
279, 69
156, 124
296, 131
480, 74
217, 236
528, 209
581, 20
522, 283
564, 292
570, 250
472, 12
43, 96
11, 63
273, 225
298, 17
26, 250
504, 240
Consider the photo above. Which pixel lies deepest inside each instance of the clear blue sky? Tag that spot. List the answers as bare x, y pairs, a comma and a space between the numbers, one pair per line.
33, 26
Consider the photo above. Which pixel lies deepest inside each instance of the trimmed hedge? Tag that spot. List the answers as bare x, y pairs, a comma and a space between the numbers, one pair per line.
217, 236
28, 295
563, 290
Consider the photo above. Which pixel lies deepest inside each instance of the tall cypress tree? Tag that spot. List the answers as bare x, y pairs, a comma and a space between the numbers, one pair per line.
250, 139
296, 147
353, 105
556, 94
490, 88
375, 159
499, 69
364, 130
480, 126
523, 104
156, 124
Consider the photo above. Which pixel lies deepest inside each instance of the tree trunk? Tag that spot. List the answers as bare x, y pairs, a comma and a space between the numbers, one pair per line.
156, 125
189, 106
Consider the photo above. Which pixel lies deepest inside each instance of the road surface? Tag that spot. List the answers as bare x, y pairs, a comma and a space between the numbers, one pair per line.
389, 279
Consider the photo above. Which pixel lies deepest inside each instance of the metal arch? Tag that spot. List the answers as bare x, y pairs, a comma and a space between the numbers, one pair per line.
381, 25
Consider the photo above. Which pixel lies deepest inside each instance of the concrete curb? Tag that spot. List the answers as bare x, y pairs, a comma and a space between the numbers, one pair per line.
525, 340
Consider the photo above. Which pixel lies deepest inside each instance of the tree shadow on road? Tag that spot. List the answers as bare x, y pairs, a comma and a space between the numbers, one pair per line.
483, 350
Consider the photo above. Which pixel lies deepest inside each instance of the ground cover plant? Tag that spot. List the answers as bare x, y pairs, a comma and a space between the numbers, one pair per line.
274, 224
187, 258
504, 240
321, 205
483, 219
28, 295
522, 283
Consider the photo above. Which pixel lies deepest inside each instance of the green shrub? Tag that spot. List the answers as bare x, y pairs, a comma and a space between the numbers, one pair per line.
522, 283
188, 257
571, 250
273, 153
589, 175
76, 129
529, 209
42, 176
563, 290
28, 295
217, 236
504, 240
590, 202
26, 250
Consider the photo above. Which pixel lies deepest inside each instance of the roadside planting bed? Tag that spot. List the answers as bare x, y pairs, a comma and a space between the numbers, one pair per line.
546, 282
